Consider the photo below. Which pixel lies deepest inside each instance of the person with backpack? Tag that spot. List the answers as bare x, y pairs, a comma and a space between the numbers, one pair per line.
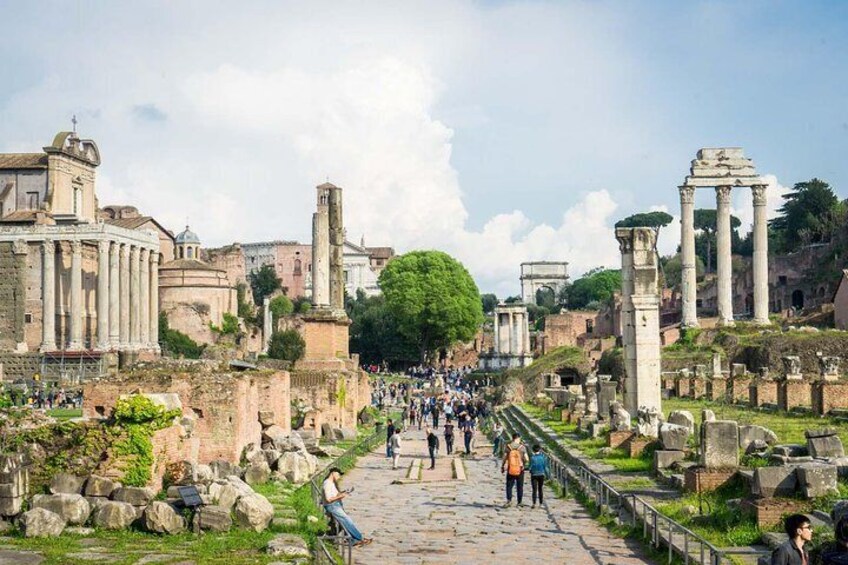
432, 446
538, 473
513, 465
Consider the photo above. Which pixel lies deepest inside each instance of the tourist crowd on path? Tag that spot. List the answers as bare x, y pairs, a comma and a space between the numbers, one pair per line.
43, 397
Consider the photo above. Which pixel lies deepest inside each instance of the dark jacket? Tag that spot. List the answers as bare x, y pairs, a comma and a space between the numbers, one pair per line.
788, 553
433, 441
390, 431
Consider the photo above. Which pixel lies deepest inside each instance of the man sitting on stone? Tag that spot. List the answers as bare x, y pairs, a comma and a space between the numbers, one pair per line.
333, 505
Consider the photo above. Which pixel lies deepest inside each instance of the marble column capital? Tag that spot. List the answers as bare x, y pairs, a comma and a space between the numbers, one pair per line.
49, 246
687, 194
144, 254
723, 194
103, 246
758, 191
76, 246
124, 250
625, 244
135, 253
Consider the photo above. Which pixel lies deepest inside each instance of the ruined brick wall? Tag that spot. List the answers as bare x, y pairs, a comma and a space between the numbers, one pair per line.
323, 391
12, 297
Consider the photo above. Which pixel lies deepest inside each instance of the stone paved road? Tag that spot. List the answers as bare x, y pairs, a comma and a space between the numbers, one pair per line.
456, 522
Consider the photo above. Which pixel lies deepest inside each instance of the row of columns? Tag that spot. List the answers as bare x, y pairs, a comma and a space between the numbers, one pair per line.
724, 271
512, 337
127, 297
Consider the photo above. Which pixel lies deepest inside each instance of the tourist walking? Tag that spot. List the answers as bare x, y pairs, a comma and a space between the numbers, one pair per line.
497, 432
468, 434
420, 416
396, 449
390, 432
513, 465
432, 447
449, 437
333, 505
792, 551
538, 473
435, 412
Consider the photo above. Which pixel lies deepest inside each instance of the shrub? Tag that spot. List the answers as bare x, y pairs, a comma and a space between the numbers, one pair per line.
280, 306
229, 325
135, 419
177, 343
287, 345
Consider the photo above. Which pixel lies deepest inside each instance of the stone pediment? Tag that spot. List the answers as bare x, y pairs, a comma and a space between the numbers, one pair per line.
722, 166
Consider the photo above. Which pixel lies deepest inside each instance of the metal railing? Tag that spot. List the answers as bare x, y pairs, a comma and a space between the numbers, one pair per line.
658, 528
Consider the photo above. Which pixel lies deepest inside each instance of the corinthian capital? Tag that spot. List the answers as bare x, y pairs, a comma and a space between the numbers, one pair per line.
723, 194
687, 194
759, 193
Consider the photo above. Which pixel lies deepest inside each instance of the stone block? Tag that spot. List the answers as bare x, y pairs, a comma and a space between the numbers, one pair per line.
750, 433
11, 506
794, 394
673, 437
289, 546
114, 515
816, 480
720, 444
682, 418
267, 418
762, 393
137, 496
824, 444
66, 483
161, 518
790, 450
774, 481
73, 508
212, 518
253, 512
221, 469
618, 439
257, 473
663, 459
41, 523
100, 486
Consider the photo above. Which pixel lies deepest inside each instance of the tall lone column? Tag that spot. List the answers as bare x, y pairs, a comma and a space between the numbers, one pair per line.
125, 297
625, 246
48, 296
144, 302
337, 282
154, 301
761, 298
688, 276
75, 315
103, 295
321, 250
114, 295
135, 298
724, 269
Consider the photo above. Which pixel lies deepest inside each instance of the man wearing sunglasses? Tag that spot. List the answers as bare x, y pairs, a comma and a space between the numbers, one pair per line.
792, 551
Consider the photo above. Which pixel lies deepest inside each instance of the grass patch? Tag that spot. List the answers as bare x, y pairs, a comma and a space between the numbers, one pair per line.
65, 413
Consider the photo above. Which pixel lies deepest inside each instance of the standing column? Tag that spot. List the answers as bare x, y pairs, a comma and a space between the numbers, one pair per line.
688, 276
337, 236
48, 296
154, 301
761, 298
75, 315
625, 245
496, 336
135, 298
125, 297
144, 310
103, 295
724, 269
114, 296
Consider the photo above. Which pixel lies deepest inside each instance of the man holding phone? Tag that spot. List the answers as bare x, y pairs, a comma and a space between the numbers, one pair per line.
333, 504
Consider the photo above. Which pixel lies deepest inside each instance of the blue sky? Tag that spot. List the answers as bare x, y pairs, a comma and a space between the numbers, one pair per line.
499, 131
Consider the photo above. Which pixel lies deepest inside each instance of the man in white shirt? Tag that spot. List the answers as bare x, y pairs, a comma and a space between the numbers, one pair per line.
333, 505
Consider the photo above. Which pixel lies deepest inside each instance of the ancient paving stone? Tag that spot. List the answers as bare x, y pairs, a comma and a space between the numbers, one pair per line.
12, 557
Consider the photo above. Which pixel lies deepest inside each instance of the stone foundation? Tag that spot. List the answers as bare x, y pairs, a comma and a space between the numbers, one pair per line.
637, 445
697, 388
699, 479
717, 389
827, 396
619, 439
791, 394
769, 512
761, 393
739, 390
326, 337
335, 397
682, 389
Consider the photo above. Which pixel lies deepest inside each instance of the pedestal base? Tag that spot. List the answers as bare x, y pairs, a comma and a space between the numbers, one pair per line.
792, 394
739, 390
761, 393
700, 479
828, 396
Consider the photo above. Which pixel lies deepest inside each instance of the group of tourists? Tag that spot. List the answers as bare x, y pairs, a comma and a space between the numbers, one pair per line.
42, 396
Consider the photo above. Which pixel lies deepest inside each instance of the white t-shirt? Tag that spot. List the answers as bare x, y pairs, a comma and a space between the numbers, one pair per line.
330, 490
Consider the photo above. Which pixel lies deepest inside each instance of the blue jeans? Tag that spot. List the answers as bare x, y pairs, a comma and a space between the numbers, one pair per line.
388, 450
496, 446
338, 512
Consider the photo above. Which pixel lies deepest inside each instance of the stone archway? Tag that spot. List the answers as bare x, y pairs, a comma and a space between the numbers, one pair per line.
798, 299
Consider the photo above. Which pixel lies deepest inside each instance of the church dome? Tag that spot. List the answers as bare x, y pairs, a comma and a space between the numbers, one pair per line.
187, 236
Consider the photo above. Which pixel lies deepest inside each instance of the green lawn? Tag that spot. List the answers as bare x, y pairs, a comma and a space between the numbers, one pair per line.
65, 413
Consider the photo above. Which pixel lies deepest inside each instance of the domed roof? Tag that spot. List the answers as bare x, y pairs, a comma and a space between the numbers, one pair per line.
187, 236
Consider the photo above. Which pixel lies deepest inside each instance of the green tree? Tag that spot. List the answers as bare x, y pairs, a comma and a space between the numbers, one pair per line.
280, 306
673, 268
287, 345
489, 301
375, 335
176, 343
302, 305
705, 222
229, 325
434, 299
806, 215
264, 283
596, 286
656, 220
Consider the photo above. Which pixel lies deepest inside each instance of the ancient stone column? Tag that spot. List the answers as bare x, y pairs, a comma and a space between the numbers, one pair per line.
321, 251
724, 270
154, 301
642, 349
114, 295
336, 222
267, 324
135, 298
526, 331
75, 315
144, 299
625, 245
48, 296
125, 297
495, 340
513, 333
103, 295
761, 300
688, 275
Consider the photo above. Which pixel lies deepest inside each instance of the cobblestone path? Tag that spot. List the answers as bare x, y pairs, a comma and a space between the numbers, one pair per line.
440, 520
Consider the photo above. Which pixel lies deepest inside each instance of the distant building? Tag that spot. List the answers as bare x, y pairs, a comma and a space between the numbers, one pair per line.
542, 275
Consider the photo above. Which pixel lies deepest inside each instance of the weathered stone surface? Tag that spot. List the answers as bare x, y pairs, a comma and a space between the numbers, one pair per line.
252, 453
254, 512
840, 509
73, 508
100, 486
749, 433
619, 418
66, 483
757, 446
790, 450
287, 545
348, 433
294, 467
271, 456
227, 496
820, 432
161, 518
663, 459
822, 446
720, 444
114, 515
674, 437
212, 518
239, 484
257, 473
204, 473
14, 557
774, 481
817, 480
327, 431
683, 418
137, 496
41, 523
167, 400
648, 422
274, 433
784, 460
707, 415
221, 469
267, 418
